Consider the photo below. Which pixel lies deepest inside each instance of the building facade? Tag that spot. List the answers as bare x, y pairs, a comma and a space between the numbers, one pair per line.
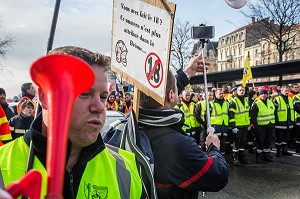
235, 46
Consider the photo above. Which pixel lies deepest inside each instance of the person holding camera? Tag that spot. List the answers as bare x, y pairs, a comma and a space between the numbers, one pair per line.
181, 168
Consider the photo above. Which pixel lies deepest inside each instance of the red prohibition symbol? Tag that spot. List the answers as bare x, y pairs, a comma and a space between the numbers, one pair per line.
154, 70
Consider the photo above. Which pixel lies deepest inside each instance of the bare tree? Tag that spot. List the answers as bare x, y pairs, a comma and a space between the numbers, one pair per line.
181, 44
280, 19
6, 42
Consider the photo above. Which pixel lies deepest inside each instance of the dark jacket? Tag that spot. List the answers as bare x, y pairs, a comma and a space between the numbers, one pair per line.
181, 169
8, 111
19, 124
182, 80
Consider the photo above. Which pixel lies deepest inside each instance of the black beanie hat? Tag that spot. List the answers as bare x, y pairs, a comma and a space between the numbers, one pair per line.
2, 91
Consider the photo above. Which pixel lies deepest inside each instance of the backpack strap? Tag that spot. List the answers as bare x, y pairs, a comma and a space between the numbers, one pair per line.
131, 141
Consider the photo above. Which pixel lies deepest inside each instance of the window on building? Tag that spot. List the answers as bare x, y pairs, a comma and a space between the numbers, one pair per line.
256, 53
248, 54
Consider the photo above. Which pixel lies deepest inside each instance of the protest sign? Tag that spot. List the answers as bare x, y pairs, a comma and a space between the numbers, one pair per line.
141, 40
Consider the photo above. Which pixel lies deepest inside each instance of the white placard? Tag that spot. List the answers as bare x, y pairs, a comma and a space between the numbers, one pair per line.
141, 42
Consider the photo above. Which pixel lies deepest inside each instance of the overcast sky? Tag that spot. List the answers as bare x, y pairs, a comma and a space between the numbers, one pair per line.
85, 23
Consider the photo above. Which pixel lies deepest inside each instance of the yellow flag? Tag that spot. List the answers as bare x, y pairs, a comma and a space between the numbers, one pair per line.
247, 74
188, 86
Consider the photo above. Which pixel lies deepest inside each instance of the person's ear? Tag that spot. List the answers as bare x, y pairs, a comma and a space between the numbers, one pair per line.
171, 96
42, 98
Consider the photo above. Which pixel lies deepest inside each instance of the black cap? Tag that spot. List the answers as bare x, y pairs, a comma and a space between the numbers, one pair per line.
263, 91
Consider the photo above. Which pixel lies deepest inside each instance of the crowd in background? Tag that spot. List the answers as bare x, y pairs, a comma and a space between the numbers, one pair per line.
246, 119
235, 138
16, 120
270, 118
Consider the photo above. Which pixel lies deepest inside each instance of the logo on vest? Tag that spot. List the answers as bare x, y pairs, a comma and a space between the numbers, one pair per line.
94, 191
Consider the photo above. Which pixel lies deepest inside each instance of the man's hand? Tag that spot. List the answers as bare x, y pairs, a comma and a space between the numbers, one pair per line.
235, 130
195, 65
212, 139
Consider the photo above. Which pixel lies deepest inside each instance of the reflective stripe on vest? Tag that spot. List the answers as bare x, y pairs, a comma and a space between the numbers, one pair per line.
241, 116
21, 131
265, 113
219, 114
282, 109
98, 177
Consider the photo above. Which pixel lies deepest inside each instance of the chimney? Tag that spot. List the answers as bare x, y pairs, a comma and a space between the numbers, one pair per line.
253, 19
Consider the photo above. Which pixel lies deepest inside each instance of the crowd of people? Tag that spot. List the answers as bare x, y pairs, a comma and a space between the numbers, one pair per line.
116, 102
246, 118
182, 169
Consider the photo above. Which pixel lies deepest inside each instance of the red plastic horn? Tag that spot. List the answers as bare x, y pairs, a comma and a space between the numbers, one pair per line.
29, 185
62, 78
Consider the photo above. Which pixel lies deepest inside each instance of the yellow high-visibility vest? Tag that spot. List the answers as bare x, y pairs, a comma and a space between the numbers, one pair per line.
102, 175
219, 114
265, 113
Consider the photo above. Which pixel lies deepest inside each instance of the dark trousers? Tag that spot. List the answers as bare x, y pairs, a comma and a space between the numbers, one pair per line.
239, 139
264, 135
292, 137
203, 136
282, 136
194, 133
251, 137
297, 131
221, 131
197, 134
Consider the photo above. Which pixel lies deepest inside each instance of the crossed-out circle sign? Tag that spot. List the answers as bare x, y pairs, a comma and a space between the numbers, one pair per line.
154, 70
